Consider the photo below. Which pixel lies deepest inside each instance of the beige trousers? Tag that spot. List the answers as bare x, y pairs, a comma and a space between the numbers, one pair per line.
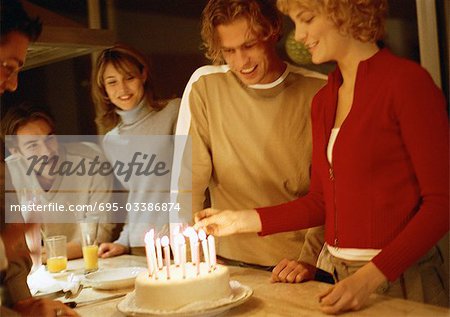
422, 282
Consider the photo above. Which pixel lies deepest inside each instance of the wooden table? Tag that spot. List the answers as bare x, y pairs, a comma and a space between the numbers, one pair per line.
268, 299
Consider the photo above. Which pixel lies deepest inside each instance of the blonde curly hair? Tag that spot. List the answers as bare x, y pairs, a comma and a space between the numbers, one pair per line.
263, 16
364, 20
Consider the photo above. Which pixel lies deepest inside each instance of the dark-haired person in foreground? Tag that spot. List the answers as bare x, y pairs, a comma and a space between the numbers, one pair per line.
17, 31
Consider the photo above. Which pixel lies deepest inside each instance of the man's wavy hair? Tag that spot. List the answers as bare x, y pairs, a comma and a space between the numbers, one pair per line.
264, 19
364, 20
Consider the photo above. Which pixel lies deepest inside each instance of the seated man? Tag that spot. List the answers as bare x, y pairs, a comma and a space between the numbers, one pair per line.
42, 180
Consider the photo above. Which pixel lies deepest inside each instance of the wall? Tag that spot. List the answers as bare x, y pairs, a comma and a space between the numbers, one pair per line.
168, 32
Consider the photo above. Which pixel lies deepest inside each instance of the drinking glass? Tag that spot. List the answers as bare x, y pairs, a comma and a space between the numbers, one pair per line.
89, 228
56, 253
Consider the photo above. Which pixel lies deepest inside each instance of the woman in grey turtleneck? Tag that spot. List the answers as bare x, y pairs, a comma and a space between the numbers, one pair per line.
122, 92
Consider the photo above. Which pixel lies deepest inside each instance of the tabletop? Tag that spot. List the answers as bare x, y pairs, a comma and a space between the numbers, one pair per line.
268, 299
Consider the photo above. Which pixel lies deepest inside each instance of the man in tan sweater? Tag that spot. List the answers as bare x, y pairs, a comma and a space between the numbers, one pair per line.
249, 120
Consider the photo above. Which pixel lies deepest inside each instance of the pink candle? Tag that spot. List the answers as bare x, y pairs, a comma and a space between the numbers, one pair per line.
153, 252
165, 245
197, 257
174, 245
159, 253
182, 250
148, 251
202, 237
212, 251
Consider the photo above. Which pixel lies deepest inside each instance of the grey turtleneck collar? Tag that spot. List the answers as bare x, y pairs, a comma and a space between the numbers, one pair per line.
131, 116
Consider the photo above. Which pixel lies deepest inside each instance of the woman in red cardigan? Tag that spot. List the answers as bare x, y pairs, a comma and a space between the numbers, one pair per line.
380, 169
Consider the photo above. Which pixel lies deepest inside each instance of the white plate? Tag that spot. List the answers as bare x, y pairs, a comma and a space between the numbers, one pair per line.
241, 293
113, 278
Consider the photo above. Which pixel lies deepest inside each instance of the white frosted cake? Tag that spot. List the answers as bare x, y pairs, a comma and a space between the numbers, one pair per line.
170, 294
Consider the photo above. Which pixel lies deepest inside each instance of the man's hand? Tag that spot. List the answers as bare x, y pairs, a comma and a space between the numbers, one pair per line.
108, 249
291, 271
353, 292
43, 307
227, 222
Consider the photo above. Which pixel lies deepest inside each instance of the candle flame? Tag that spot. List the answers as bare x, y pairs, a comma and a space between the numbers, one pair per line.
179, 239
201, 235
149, 237
191, 234
165, 241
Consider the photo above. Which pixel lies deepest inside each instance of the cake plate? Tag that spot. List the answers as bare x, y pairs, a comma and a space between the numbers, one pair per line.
240, 294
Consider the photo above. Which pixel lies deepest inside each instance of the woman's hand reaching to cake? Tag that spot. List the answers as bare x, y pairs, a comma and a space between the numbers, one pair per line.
227, 222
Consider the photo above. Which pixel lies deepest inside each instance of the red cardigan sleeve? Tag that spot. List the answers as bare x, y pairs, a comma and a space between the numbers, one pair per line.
305, 212
423, 122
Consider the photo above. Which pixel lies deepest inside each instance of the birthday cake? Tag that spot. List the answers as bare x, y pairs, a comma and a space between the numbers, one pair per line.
182, 287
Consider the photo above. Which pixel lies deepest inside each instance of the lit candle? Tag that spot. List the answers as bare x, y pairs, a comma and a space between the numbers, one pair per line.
159, 253
197, 257
182, 250
212, 251
148, 251
174, 245
165, 245
153, 252
193, 238
202, 237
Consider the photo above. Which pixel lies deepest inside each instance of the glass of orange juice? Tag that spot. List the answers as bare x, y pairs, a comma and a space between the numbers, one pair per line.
89, 228
56, 253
